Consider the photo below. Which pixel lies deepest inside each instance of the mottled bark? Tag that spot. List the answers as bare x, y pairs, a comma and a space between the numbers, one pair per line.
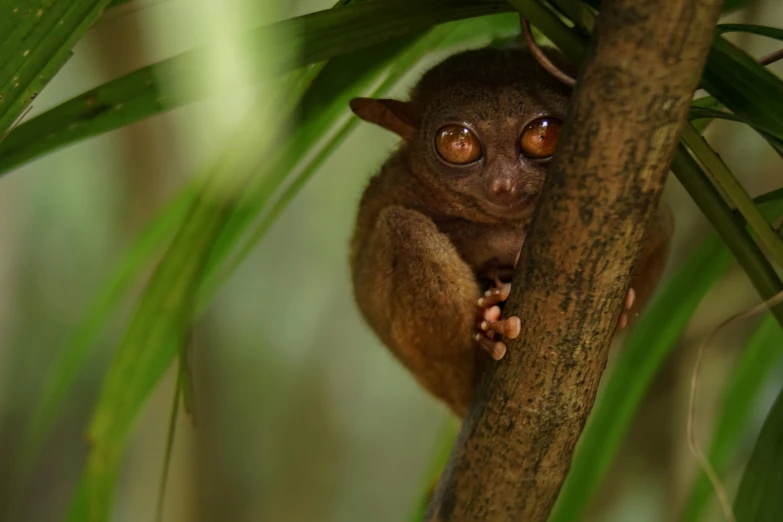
632, 96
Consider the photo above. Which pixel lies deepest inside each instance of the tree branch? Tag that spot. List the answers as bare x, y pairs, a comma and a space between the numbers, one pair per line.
631, 100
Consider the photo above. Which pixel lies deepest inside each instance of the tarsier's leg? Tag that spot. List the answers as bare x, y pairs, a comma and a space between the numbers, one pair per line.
420, 297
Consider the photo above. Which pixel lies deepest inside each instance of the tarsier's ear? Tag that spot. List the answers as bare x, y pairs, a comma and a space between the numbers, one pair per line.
396, 116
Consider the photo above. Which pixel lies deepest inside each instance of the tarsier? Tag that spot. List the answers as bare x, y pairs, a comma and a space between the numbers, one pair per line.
440, 227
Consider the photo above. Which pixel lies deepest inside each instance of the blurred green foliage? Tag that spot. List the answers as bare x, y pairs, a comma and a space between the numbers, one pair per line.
301, 415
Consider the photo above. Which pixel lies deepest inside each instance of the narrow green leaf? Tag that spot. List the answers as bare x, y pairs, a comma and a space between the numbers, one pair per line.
735, 191
760, 355
164, 312
300, 83
775, 144
578, 13
733, 5
700, 117
113, 105
83, 342
705, 102
759, 496
162, 315
480, 31
700, 113
167, 306
36, 37
331, 33
313, 38
165, 309
763, 30
768, 202
747, 88
747, 253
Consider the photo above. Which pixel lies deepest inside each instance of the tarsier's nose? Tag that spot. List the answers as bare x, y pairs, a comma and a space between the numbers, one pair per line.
503, 186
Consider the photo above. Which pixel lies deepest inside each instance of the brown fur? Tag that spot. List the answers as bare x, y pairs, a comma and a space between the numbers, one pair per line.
428, 234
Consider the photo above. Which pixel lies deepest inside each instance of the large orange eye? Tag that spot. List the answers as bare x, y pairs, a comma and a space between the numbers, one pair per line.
457, 144
539, 138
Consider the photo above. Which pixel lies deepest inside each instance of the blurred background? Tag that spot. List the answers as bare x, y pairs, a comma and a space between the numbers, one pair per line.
308, 418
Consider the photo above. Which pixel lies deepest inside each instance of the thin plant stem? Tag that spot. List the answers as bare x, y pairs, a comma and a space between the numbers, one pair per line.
569, 42
693, 443
169, 444
772, 57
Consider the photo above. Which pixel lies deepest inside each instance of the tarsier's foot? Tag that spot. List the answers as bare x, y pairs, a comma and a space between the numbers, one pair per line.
630, 297
489, 323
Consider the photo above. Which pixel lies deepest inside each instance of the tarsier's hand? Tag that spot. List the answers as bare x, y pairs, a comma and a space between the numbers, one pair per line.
489, 324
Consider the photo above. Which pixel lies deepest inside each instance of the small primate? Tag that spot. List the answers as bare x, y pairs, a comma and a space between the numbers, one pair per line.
440, 227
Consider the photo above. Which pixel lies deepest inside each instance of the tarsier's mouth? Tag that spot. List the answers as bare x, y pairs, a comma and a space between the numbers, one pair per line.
512, 208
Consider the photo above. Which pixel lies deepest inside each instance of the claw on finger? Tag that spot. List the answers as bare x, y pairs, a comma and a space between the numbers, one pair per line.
510, 327
492, 313
630, 298
495, 348
498, 351
623, 321
495, 295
